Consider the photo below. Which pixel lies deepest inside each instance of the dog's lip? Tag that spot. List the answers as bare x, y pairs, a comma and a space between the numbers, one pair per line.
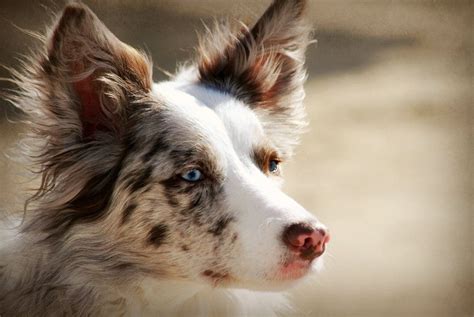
294, 268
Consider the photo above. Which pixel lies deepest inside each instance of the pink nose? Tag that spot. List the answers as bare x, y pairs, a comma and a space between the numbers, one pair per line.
309, 242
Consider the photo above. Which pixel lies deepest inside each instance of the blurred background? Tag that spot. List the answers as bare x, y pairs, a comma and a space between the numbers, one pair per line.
388, 161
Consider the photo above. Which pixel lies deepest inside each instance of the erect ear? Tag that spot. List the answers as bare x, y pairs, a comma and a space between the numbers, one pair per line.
79, 95
93, 75
263, 66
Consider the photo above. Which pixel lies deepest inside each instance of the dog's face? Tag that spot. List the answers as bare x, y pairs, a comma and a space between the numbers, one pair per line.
207, 205
180, 179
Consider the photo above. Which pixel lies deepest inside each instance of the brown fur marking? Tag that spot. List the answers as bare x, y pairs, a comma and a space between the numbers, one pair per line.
263, 155
158, 234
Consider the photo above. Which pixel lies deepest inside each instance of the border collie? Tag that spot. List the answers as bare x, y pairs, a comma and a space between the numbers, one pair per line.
161, 198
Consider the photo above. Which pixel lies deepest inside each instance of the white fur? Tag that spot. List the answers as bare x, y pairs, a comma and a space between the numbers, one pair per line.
233, 129
238, 269
180, 298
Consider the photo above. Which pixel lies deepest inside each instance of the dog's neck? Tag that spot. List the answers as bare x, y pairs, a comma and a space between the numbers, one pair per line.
179, 298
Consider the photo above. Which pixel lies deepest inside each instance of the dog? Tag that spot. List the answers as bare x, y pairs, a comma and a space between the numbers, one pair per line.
161, 198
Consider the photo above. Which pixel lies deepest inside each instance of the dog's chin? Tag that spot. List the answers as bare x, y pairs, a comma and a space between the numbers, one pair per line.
295, 270
285, 276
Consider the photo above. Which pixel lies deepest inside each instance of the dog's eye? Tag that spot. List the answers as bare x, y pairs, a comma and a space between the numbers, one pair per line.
193, 175
273, 166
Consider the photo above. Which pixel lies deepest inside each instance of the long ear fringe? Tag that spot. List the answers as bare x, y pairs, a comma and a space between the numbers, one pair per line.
262, 66
69, 169
77, 176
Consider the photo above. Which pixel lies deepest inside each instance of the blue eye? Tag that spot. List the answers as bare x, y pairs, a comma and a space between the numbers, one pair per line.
193, 175
273, 166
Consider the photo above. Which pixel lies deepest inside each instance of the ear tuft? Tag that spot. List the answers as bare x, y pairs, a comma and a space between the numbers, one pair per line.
78, 95
263, 66
102, 73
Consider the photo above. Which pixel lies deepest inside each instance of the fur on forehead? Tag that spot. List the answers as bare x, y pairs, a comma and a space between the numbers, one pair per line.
222, 117
186, 112
263, 66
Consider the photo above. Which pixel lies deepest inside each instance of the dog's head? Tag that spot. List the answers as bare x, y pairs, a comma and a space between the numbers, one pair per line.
179, 179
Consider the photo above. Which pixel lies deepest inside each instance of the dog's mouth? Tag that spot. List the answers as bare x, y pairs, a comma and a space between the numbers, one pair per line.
296, 266
294, 269
299, 262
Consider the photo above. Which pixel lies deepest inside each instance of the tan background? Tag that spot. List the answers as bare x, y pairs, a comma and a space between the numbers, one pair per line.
387, 164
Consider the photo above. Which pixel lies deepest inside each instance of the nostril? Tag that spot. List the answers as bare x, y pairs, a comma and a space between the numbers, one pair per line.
307, 241
298, 235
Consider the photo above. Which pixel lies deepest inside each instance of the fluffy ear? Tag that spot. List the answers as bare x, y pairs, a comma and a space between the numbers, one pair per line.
263, 66
78, 96
94, 72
